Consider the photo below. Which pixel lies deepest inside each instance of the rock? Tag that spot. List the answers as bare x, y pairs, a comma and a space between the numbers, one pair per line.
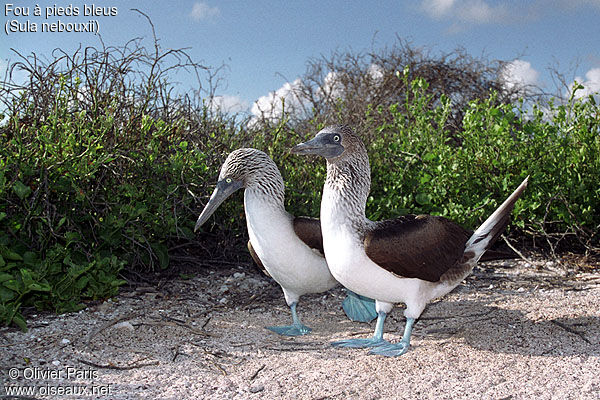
124, 325
257, 388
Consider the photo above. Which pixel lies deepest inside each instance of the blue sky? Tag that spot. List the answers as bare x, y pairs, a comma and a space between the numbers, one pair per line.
266, 44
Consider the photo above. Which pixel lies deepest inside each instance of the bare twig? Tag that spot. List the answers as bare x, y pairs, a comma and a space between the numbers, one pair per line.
513, 248
213, 362
205, 323
108, 325
117, 367
186, 326
570, 330
255, 374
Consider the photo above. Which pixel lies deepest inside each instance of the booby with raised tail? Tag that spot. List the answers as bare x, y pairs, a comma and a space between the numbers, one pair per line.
288, 248
412, 259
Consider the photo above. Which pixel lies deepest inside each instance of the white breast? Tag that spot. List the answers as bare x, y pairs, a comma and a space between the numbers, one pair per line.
291, 263
350, 265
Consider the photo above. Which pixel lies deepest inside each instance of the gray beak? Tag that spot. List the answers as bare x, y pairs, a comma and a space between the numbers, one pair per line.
320, 145
221, 193
310, 147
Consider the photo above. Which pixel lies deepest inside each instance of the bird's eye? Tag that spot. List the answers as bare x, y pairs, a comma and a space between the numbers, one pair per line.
228, 180
336, 138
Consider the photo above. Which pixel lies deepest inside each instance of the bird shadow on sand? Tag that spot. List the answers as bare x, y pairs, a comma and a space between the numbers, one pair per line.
491, 328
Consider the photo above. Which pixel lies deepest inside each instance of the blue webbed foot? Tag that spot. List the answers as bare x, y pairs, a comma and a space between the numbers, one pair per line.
397, 349
360, 343
290, 330
296, 329
391, 350
375, 341
359, 308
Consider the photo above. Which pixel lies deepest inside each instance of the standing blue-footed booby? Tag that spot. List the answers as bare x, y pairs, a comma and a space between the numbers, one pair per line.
412, 259
288, 248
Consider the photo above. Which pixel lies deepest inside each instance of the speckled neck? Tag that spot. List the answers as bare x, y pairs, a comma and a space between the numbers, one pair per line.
267, 186
347, 188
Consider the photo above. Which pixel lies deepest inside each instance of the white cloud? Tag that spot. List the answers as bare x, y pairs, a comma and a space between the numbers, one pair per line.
376, 72
272, 105
437, 8
332, 87
591, 83
519, 74
202, 11
290, 95
228, 104
467, 12
480, 12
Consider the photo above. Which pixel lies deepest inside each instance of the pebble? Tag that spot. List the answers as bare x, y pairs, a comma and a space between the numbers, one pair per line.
124, 325
257, 388
56, 363
239, 275
65, 341
104, 307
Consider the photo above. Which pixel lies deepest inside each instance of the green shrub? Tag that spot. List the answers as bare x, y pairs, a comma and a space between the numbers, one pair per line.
96, 177
90, 188
418, 167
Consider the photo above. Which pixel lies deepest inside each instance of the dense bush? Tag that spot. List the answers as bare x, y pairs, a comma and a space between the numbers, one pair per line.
102, 172
417, 166
98, 170
342, 87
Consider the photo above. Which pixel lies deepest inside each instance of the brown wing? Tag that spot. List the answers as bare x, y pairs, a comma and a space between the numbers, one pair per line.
309, 231
411, 246
257, 260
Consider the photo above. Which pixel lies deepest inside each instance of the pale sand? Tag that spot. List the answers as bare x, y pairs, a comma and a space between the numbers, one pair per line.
516, 332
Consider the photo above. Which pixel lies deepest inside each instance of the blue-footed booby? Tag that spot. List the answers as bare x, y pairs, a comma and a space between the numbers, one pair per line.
287, 248
412, 259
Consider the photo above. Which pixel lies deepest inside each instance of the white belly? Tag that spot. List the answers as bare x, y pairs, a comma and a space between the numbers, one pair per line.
291, 263
350, 266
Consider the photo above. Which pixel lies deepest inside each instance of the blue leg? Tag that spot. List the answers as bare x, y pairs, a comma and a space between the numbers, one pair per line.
397, 349
376, 340
296, 329
359, 308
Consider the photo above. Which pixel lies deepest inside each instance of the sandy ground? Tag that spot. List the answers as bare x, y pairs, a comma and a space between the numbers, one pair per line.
514, 331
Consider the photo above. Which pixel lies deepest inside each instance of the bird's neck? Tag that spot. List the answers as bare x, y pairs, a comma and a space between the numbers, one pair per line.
266, 218
263, 197
346, 190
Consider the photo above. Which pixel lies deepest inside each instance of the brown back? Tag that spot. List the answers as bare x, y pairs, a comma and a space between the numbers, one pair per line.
412, 246
309, 231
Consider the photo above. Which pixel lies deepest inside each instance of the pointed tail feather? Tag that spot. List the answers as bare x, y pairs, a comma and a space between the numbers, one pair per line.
491, 229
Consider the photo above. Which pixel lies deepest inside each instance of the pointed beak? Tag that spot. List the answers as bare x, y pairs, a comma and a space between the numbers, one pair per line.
220, 194
312, 146
320, 146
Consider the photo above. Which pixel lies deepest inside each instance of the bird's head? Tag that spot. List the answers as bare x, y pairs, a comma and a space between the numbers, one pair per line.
334, 142
241, 169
